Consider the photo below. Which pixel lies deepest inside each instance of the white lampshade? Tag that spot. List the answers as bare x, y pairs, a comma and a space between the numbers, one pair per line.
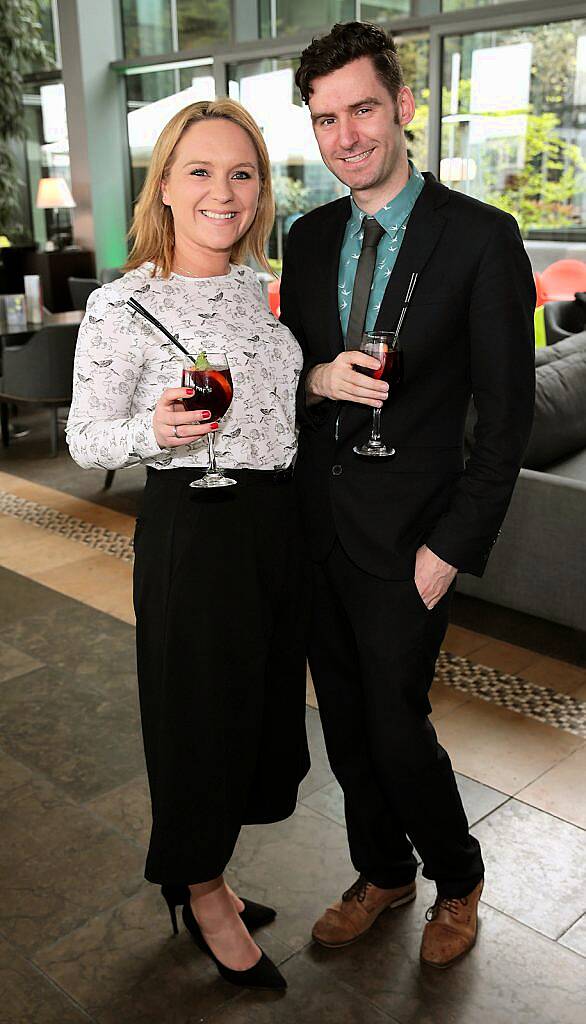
54, 194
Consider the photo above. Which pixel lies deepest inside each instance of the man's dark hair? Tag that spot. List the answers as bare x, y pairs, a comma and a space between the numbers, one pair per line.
346, 43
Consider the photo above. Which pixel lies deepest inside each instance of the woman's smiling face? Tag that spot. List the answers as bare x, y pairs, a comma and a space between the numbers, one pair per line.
213, 186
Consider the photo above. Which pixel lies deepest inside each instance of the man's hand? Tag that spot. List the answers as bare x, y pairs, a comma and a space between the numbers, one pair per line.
432, 576
339, 381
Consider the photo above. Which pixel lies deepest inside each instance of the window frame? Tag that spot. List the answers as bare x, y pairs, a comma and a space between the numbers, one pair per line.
437, 25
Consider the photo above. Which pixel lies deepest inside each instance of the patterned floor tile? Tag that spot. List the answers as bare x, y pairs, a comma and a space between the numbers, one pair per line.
313, 997
127, 808
535, 867
85, 743
575, 937
15, 663
124, 965
478, 800
558, 675
95, 649
561, 790
504, 657
28, 997
297, 866
501, 748
512, 976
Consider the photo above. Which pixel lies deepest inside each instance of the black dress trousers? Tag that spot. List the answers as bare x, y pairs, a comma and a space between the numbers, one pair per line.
219, 582
372, 652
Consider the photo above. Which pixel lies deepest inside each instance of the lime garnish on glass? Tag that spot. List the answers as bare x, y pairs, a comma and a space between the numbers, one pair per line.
201, 363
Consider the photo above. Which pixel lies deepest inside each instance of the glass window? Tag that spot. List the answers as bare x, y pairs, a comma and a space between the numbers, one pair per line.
414, 57
513, 126
146, 27
45, 154
164, 26
48, 33
152, 100
200, 22
294, 16
466, 5
300, 180
384, 10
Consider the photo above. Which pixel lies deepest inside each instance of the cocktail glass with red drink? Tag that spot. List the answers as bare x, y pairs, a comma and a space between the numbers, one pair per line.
209, 376
384, 346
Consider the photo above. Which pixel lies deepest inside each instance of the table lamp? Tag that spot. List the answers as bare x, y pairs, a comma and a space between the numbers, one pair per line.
54, 194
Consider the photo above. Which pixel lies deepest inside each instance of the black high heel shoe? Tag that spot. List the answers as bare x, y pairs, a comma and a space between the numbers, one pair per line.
254, 915
263, 974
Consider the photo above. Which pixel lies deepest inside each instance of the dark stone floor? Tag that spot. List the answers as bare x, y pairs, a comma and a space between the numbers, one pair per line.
84, 938
28, 457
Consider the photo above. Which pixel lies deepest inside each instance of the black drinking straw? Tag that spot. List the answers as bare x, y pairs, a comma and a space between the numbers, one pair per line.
136, 306
406, 302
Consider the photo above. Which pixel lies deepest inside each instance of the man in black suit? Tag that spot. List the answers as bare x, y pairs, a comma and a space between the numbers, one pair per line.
388, 535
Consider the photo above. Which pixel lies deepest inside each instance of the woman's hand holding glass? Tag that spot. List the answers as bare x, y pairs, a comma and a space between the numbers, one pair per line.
173, 426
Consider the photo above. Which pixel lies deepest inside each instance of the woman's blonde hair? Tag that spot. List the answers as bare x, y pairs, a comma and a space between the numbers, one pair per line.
153, 231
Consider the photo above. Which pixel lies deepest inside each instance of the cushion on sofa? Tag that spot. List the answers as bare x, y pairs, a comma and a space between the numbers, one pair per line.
574, 467
559, 426
561, 349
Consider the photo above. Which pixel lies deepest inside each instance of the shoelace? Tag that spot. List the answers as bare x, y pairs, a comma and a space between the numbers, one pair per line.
358, 890
445, 903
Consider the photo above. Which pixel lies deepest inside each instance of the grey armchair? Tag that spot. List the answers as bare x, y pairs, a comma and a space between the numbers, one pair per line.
562, 319
110, 274
39, 373
80, 289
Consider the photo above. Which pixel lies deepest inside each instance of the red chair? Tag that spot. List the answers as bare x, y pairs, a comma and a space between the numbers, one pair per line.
540, 297
274, 291
562, 279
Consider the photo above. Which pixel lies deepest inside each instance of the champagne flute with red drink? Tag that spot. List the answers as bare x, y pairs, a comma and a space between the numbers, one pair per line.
384, 346
209, 376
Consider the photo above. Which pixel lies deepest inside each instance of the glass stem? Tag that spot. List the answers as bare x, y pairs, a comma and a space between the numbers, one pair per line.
375, 435
212, 468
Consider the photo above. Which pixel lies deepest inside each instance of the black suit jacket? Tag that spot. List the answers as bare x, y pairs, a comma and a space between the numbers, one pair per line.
468, 331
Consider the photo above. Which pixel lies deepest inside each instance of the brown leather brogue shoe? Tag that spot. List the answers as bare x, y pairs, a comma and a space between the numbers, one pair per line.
351, 917
451, 929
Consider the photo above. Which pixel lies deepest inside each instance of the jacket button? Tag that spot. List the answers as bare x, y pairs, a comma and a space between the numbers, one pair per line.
336, 470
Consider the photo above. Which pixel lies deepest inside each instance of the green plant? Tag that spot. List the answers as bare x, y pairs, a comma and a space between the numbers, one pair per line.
291, 196
21, 45
543, 192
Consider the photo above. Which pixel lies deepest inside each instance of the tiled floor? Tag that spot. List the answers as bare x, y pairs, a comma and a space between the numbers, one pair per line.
84, 938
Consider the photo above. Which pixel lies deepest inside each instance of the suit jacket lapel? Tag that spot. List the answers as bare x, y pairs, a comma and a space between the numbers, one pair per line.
424, 229
330, 243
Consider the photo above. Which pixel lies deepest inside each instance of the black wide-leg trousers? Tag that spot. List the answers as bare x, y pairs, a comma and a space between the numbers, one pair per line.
220, 598
372, 653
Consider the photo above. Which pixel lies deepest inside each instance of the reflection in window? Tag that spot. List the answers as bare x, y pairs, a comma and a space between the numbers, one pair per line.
163, 26
146, 27
46, 17
296, 15
513, 127
414, 56
153, 99
466, 5
384, 10
200, 22
45, 155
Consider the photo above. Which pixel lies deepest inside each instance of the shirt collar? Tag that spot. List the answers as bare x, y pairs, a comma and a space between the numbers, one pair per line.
395, 212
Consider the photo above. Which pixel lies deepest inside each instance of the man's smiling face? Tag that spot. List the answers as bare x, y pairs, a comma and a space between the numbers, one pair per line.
358, 126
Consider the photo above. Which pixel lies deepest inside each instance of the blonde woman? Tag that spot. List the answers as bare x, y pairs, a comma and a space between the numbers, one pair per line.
218, 576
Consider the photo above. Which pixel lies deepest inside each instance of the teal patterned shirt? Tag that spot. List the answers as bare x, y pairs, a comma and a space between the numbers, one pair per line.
393, 218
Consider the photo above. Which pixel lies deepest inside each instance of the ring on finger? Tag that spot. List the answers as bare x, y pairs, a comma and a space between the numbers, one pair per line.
175, 434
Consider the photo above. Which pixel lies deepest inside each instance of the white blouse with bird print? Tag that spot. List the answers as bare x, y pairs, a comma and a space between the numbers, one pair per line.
123, 364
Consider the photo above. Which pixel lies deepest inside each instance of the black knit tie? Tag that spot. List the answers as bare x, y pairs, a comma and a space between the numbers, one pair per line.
373, 233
